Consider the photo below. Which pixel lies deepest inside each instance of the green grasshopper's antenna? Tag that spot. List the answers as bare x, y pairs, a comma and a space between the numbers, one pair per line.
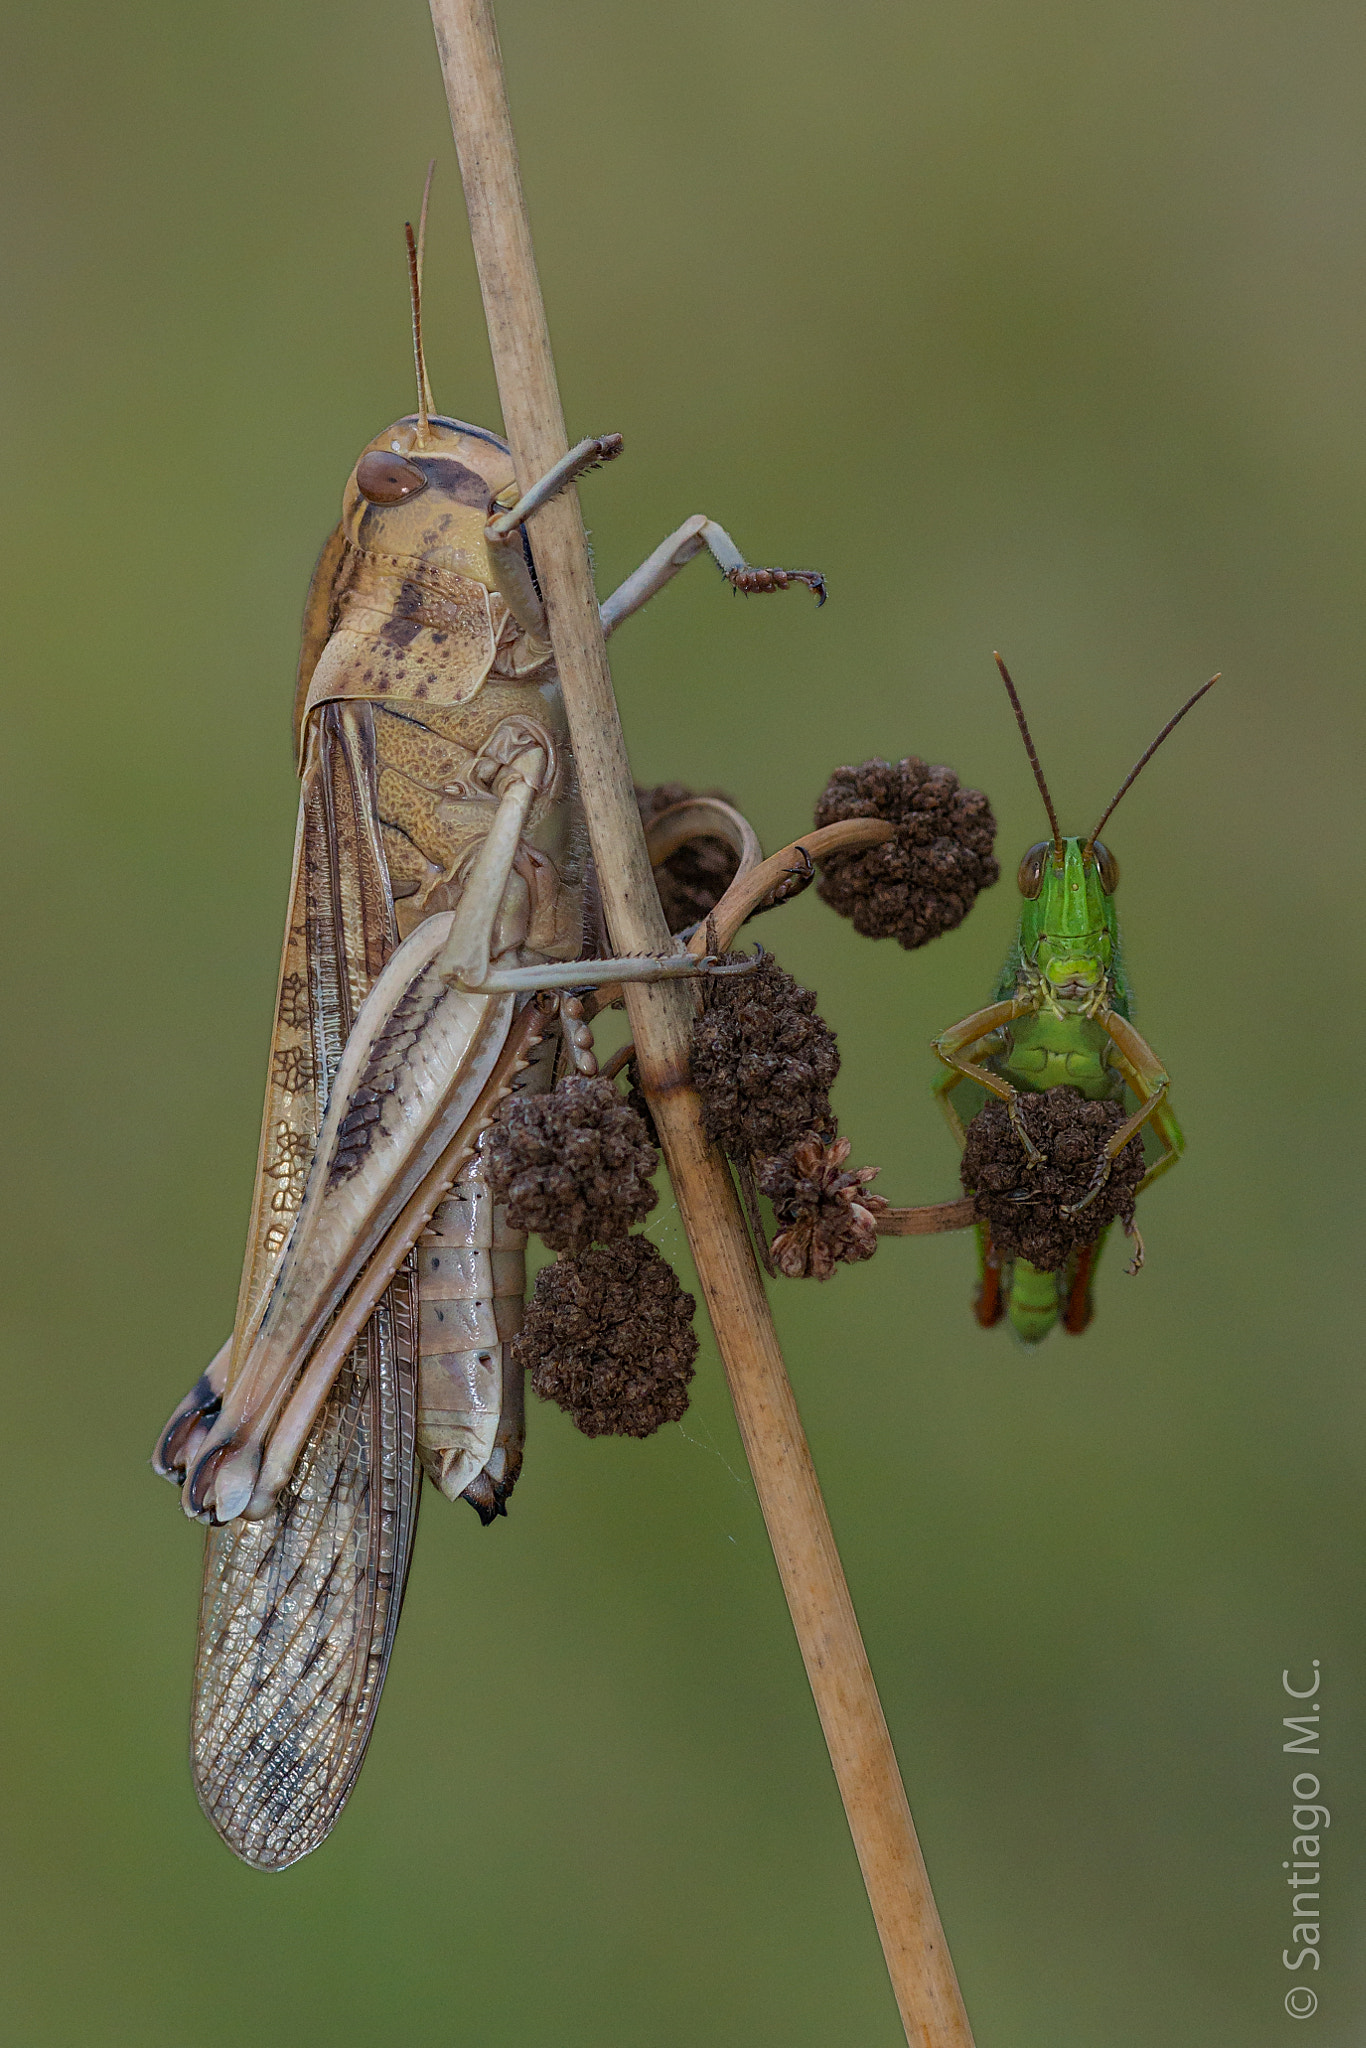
1027, 737
416, 251
1141, 763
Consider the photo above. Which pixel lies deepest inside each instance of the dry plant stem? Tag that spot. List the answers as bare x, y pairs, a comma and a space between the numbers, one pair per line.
861, 1750
747, 892
928, 1220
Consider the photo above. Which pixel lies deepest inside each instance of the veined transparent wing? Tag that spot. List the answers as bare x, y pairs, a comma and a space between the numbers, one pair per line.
300, 1610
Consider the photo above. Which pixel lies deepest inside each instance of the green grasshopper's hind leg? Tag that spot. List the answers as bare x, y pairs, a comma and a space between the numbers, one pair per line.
1081, 1304
989, 1305
989, 1302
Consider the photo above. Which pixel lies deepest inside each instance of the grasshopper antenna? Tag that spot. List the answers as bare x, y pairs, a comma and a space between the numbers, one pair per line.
1141, 763
1028, 739
416, 251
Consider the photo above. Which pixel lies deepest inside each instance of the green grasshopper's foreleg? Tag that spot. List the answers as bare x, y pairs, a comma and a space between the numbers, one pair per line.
1150, 1082
954, 1047
1148, 1079
673, 554
943, 1088
946, 1083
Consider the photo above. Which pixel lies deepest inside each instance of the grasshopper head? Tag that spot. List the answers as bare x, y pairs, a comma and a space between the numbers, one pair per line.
426, 491
1067, 926
1068, 929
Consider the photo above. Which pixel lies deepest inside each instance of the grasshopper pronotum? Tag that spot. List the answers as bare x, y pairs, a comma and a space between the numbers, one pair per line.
1061, 1015
442, 911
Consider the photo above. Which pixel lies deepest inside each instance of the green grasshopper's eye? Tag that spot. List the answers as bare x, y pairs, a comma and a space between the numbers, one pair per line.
1032, 867
386, 479
1107, 867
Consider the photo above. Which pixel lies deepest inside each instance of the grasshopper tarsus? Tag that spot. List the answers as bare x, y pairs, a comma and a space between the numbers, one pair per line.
1102, 1175
1017, 1124
752, 582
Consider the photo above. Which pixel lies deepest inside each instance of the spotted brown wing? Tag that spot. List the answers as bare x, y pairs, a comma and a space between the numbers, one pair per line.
299, 1609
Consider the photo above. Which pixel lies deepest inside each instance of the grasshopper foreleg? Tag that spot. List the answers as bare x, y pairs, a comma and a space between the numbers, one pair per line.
693, 537
955, 1046
586, 455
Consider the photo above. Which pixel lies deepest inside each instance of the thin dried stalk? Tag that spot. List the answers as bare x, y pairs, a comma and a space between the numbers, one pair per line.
785, 1480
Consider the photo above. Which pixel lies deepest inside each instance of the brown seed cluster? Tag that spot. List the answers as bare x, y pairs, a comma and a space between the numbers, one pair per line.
826, 1216
608, 1336
763, 1062
573, 1165
926, 879
692, 881
1025, 1205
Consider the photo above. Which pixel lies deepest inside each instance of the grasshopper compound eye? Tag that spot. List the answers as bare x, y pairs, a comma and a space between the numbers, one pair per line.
386, 479
1032, 866
1107, 867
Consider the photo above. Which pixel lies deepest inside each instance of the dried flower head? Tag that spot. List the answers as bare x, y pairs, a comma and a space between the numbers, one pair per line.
573, 1165
827, 1218
608, 1336
1026, 1205
926, 879
763, 1063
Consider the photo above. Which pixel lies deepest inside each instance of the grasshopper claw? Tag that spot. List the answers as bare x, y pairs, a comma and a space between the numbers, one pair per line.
717, 967
1101, 1176
1032, 1152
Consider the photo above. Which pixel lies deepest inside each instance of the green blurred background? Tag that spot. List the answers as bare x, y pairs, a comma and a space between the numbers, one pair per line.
1034, 326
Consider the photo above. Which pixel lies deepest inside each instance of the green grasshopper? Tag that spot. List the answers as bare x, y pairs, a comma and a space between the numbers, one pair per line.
1062, 1015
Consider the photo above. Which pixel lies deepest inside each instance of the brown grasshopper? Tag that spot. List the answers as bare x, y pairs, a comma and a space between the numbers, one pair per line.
442, 912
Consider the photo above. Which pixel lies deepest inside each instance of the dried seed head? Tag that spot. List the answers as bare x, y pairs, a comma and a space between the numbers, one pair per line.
828, 1219
573, 1165
763, 1063
608, 1336
926, 879
692, 881
1025, 1205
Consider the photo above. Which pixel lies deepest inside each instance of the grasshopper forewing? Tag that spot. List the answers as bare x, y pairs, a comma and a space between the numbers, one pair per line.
441, 889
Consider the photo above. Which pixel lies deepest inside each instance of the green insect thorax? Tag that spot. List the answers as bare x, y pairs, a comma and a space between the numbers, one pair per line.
1069, 931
